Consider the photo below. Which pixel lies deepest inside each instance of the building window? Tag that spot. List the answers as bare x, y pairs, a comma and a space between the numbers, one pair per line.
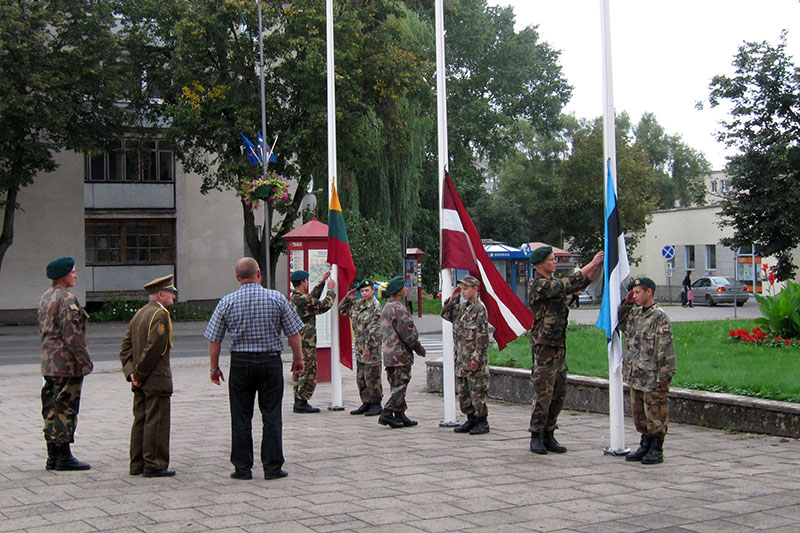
133, 161
713, 185
723, 185
689, 250
130, 242
711, 256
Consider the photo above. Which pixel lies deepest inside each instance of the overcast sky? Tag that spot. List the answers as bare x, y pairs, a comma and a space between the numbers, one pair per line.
664, 54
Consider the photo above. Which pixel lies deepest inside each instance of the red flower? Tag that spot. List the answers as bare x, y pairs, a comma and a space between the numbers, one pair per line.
757, 330
788, 341
771, 277
732, 333
778, 338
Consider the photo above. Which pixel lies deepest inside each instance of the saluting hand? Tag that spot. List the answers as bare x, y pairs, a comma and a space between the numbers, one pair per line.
456, 293
351, 294
629, 297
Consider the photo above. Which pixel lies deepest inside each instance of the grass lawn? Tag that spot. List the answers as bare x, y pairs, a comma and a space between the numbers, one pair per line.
707, 359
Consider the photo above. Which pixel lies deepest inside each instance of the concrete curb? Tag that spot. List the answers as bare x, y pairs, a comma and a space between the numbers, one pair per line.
700, 408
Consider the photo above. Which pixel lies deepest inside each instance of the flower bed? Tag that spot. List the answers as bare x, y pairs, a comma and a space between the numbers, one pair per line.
762, 338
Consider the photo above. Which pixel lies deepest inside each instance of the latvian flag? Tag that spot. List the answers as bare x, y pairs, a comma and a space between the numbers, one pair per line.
462, 248
616, 269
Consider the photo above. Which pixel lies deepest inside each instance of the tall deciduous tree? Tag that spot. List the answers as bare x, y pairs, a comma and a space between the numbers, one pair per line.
59, 85
763, 206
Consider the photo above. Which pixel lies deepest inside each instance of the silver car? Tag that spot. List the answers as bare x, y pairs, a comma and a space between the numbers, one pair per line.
715, 290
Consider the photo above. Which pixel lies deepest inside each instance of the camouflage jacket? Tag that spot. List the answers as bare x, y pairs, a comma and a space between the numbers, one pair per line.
547, 298
470, 334
399, 334
649, 350
145, 349
62, 326
308, 306
365, 316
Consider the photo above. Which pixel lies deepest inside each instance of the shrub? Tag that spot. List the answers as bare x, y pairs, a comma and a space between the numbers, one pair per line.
121, 309
780, 312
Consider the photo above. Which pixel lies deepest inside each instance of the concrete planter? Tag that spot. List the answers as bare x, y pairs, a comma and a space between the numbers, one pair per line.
686, 406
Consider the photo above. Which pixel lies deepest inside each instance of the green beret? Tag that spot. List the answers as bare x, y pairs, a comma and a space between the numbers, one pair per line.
161, 284
395, 285
298, 275
643, 281
60, 267
364, 283
469, 281
540, 254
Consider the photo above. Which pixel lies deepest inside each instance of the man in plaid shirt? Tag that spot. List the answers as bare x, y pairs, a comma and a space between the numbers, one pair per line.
255, 317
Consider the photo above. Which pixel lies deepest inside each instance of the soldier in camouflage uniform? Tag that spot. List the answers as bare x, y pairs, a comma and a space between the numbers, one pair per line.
648, 365
65, 361
400, 341
365, 316
471, 336
308, 306
547, 297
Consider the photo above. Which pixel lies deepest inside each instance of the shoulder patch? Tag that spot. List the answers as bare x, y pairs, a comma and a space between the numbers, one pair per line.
161, 329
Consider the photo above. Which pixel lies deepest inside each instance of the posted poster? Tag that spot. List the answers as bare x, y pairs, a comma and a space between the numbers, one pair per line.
317, 266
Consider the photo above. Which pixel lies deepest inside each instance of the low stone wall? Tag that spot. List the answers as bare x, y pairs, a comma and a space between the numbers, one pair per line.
686, 406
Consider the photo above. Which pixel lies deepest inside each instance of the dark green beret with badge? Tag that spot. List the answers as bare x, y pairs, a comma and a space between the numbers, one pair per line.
364, 284
643, 281
60, 267
298, 275
540, 254
161, 284
395, 285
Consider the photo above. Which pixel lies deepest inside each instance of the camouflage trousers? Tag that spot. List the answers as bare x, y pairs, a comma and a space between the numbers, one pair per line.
549, 376
650, 411
473, 392
398, 377
306, 381
61, 400
368, 379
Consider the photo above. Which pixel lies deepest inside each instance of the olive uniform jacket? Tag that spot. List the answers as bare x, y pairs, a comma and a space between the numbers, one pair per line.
145, 350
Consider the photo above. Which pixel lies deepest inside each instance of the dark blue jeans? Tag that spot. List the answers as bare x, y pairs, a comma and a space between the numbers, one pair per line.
253, 373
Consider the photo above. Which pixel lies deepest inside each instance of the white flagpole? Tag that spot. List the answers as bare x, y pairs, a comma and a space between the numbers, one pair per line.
336, 371
448, 365
267, 221
615, 401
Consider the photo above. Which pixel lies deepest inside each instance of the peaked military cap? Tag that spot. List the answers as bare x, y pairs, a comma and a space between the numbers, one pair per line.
643, 281
469, 281
395, 285
298, 275
540, 254
161, 284
60, 267
364, 284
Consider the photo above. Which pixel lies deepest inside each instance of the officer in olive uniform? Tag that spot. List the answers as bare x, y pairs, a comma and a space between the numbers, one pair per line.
365, 316
145, 363
308, 306
471, 335
547, 297
648, 365
65, 360
399, 342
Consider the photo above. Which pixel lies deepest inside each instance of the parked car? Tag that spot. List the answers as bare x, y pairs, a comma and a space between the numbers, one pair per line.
586, 298
713, 290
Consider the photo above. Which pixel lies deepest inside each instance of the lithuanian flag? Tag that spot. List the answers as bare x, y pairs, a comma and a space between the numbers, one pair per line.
339, 254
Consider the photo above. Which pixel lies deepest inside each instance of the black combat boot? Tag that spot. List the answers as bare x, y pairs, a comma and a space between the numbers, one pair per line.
655, 454
361, 410
536, 443
302, 406
65, 460
407, 422
387, 419
644, 447
466, 426
374, 409
551, 444
51, 456
481, 426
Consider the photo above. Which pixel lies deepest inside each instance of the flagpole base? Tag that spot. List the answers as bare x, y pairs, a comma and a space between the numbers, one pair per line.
618, 453
444, 424
336, 408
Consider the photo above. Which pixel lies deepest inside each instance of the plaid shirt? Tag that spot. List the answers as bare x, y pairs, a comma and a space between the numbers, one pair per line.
255, 317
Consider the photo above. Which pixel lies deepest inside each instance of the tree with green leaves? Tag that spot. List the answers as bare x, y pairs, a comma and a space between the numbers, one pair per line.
59, 81
763, 206
202, 56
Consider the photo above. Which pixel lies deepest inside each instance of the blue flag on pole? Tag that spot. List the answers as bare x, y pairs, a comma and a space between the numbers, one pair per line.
252, 153
616, 268
264, 148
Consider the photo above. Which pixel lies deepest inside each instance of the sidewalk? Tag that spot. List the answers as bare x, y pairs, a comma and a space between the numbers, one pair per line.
347, 473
